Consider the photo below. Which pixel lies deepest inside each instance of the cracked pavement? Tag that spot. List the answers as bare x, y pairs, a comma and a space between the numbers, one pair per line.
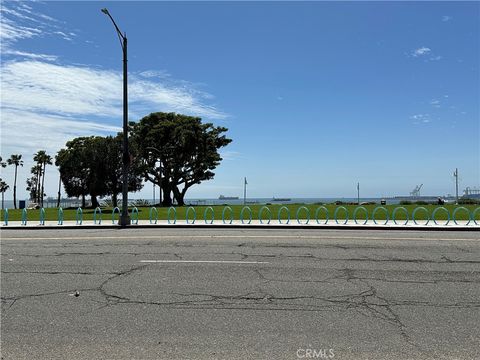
260, 294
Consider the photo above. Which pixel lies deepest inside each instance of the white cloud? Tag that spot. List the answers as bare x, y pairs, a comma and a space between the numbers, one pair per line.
155, 74
75, 90
420, 118
421, 51
26, 132
229, 155
24, 54
11, 32
425, 53
435, 103
19, 21
446, 18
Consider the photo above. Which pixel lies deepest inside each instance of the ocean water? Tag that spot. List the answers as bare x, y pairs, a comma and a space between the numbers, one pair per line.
291, 201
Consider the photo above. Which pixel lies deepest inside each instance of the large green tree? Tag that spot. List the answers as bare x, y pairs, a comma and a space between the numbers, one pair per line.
177, 151
93, 166
16, 160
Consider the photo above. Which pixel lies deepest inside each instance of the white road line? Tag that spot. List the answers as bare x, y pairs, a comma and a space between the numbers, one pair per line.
205, 261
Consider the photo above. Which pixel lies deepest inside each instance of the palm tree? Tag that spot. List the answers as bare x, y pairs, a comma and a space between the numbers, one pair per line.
16, 160
3, 187
43, 159
2, 163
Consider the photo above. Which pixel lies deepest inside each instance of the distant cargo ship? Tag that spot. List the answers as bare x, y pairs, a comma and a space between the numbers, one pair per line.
281, 199
222, 197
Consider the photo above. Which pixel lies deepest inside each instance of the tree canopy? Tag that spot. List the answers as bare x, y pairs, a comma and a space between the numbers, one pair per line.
93, 166
177, 151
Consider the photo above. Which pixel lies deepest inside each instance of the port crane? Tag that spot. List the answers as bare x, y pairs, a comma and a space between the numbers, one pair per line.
416, 191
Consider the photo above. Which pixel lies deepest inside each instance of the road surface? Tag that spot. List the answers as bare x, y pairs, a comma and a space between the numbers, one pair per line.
239, 294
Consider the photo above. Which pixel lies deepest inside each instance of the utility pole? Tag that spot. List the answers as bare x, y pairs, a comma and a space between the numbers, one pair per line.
456, 183
245, 191
358, 193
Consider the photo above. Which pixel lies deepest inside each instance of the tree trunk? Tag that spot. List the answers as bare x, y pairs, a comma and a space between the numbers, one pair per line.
83, 201
167, 197
59, 187
15, 189
115, 200
179, 196
43, 181
95, 203
37, 186
3, 207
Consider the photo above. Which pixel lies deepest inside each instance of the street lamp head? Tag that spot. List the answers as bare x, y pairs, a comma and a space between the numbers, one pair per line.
105, 11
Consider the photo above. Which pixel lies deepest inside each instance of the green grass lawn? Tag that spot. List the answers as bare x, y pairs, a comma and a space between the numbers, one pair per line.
200, 212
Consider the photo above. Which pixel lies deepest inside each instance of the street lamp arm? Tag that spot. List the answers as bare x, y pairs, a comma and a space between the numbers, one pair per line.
119, 33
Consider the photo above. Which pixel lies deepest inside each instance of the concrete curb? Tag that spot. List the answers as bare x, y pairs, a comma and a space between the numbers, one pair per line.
408, 227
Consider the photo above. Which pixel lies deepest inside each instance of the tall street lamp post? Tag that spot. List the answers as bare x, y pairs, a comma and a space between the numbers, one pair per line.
124, 218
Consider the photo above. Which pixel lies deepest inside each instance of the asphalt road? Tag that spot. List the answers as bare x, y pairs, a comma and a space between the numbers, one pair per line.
239, 294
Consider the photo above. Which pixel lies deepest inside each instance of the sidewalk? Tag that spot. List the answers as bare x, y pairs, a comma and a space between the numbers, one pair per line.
312, 224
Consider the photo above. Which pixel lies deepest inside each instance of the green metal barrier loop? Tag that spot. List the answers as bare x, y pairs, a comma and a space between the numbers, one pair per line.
60, 216
134, 217
474, 214
415, 211
115, 210
190, 208
457, 210
24, 216
42, 216
261, 212
5, 217
79, 216
355, 214
95, 215
174, 214
386, 215
297, 215
280, 214
318, 211
231, 214
436, 210
336, 212
153, 210
205, 213
395, 212
250, 213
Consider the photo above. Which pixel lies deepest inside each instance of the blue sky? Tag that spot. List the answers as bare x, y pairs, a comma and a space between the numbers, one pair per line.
317, 96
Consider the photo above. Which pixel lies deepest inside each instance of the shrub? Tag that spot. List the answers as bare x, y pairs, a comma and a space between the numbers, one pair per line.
141, 202
468, 201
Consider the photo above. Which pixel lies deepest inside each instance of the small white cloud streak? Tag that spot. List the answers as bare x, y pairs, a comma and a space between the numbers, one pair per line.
229, 155
11, 32
421, 51
446, 18
420, 118
24, 54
